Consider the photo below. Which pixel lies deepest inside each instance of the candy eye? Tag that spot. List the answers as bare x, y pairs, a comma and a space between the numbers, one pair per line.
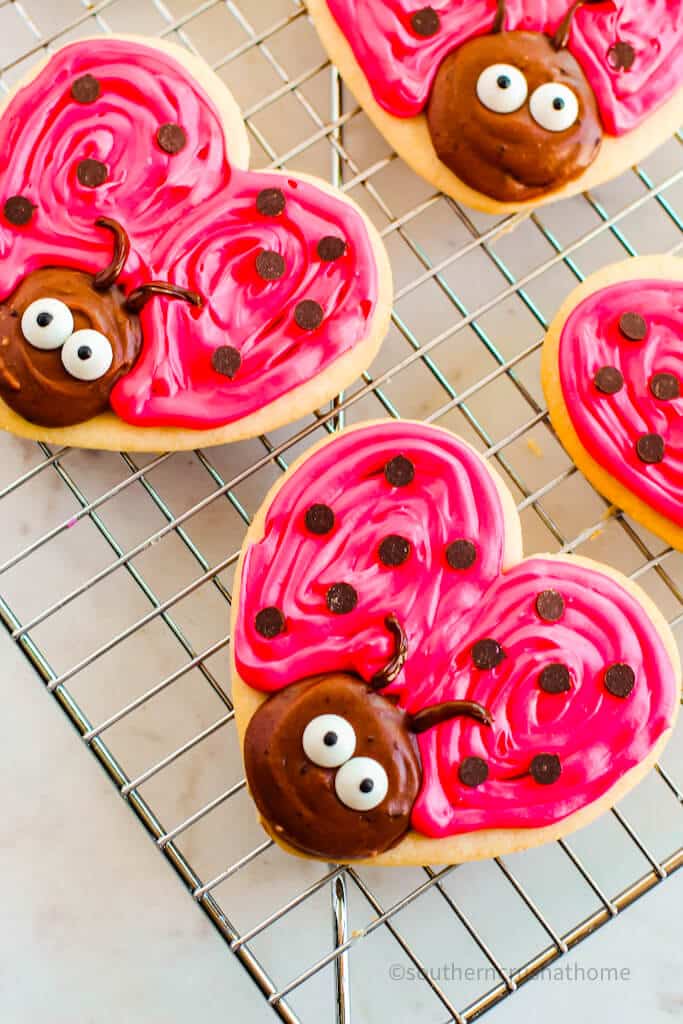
47, 323
554, 107
329, 741
502, 88
361, 783
87, 355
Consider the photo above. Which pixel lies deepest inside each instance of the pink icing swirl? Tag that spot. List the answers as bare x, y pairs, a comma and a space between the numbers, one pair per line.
609, 426
596, 735
400, 65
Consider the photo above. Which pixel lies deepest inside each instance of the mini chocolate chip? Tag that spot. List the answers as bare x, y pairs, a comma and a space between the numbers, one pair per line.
619, 680
270, 202
269, 265
399, 471
545, 768
331, 248
366, 785
171, 138
550, 605
665, 386
226, 360
341, 598
555, 678
473, 771
609, 380
269, 622
621, 56
461, 554
632, 326
308, 315
319, 519
650, 448
425, 22
91, 173
394, 550
85, 89
487, 653
18, 210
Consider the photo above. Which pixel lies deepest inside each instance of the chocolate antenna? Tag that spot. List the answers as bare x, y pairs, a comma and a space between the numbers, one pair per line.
561, 37
107, 277
438, 713
499, 20
139, 297
391, 670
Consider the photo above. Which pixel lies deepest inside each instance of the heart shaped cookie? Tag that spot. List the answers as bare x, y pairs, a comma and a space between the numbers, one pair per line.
154, 293
613, 378
407, 687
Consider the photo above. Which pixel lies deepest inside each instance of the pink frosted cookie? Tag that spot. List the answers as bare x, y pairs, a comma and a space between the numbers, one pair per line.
507, 103
407, 687
613, 377
154, 293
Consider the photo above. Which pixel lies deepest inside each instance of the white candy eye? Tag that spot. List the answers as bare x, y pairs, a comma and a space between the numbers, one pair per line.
361, 783
329, 741
87, 355
502, 88
47, 323
554, 107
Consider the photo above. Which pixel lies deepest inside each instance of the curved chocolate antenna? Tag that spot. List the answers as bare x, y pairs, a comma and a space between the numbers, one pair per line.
139, 297
438, 713
391, 670
107, 277
561, 37
499, 20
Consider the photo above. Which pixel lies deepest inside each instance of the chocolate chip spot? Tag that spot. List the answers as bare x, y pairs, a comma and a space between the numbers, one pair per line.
461, 554
18, 210
425, 22
171, 138
609, 380
319, 519
487, 653
665, 386
85, 89
399, 471
394, 550
270, 265
550, 605
91, 173
308, 315
269, 622
270, 202
546, 768
621, 56
632, 326
555, 678
341, 598
473, 771
650, 448
331, 248
619, 680
226, 360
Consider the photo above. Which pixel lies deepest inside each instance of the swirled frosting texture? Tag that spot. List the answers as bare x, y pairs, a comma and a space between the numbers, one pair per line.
192, 219
610, 425
400, 64
445, 611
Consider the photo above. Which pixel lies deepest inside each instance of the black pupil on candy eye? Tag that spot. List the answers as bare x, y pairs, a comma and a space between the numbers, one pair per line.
558, 103
503, 82
44, 319
330, 738
84, 352
366, 786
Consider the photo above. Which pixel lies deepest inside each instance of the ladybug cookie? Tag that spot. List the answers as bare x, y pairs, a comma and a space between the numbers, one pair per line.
154, 293
507, 103
613, 378
408, 688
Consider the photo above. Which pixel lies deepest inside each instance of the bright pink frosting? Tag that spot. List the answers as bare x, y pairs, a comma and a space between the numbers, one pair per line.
192, 219
444, 612
401, 65
609, 426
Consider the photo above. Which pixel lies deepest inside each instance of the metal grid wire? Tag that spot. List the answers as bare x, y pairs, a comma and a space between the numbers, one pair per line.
116, 570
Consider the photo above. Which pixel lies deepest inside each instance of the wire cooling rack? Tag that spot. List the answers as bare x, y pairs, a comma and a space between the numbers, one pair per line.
116, 570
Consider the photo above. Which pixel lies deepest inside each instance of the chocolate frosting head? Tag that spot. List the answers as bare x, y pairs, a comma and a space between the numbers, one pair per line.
535, 147
311, 806
34, 381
